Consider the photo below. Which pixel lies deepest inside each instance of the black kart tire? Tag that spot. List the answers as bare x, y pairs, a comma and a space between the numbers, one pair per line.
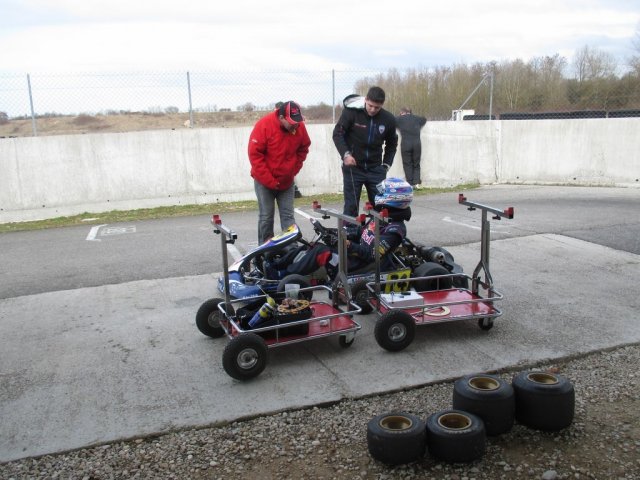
461, 282
395, 330
455, 436
208, 318
490, 398
396, 438
297, 280
245, 356
544, 401
430, 269
360, 296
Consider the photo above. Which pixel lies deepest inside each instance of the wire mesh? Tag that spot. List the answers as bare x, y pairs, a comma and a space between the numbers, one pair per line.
81, 103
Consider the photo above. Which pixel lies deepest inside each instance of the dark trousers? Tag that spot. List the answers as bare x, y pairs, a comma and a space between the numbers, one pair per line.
353, 179
411, 151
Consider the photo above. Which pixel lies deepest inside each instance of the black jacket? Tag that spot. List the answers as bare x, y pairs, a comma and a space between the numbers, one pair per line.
410, 126
361, 245
365, 136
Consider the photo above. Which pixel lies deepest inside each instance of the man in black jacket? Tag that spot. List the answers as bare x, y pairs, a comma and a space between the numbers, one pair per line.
366, 139
410, 144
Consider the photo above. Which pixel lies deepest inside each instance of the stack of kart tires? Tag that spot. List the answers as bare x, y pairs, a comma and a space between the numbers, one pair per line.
483, 406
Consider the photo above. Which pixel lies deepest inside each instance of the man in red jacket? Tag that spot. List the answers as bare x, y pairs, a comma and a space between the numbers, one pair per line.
278, 145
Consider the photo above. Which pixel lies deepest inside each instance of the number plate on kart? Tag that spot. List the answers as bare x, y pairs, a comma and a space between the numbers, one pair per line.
397, 281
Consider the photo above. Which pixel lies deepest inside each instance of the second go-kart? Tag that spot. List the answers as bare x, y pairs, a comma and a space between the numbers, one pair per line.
449, 300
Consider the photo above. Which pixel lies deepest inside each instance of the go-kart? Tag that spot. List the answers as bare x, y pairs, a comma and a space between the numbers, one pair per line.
263, 270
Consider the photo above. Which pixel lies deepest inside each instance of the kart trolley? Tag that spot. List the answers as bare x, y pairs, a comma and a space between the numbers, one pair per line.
292, 320
438, 300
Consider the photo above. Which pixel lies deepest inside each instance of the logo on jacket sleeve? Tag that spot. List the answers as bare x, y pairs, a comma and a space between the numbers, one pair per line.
381, 129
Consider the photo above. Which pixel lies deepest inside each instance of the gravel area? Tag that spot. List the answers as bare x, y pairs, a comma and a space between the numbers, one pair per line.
330, 442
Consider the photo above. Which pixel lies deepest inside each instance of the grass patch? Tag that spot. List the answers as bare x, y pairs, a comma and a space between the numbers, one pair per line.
116, 216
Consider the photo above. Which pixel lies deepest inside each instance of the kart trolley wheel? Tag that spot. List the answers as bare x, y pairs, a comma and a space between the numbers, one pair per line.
485, 323
245, 356
208, 318
395, 330
345, 341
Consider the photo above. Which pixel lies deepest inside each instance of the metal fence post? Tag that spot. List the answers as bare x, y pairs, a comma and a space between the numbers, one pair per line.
333, 96
33, 115
491, 97
190, 105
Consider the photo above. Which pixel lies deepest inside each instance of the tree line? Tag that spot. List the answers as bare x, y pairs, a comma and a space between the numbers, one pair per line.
549, 83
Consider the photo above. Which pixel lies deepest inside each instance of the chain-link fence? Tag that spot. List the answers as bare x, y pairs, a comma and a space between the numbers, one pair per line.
80, 103
199, 95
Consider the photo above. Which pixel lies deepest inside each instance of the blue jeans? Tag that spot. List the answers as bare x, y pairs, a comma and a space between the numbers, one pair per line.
266, 209
353, 179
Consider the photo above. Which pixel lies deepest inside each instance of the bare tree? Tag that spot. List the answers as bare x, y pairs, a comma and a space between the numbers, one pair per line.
634, 61
592, 64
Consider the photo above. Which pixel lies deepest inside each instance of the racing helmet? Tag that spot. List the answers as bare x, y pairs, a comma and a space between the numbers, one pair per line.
394, 192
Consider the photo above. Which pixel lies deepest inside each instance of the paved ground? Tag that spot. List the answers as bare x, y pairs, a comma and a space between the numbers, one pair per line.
91, 365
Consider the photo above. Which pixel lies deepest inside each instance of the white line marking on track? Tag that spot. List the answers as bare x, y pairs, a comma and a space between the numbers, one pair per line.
93, 232
449, 220
494, 227
233, 250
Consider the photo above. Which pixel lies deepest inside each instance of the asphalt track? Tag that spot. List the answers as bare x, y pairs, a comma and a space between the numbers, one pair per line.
93, 365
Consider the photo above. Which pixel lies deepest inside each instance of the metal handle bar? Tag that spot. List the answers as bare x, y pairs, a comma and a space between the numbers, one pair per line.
507, 212
341, 278
226, 236
219, 227
485, 238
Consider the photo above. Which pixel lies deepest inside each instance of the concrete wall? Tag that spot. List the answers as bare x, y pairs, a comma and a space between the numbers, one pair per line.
52, 176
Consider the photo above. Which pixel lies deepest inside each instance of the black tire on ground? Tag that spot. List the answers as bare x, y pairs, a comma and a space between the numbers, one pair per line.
490, 398
485, 324
395, 330
245, 356
360, 296
396, 438
544, 401
430, 269
208, 318
296, 280
455, 436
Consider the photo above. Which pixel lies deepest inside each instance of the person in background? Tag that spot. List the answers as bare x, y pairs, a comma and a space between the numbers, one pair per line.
409, 126
366, 139
278, 146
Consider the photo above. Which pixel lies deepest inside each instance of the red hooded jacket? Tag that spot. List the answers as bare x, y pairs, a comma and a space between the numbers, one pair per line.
276, 155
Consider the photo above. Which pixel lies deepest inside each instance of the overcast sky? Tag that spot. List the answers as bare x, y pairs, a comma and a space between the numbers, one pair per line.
210, 35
